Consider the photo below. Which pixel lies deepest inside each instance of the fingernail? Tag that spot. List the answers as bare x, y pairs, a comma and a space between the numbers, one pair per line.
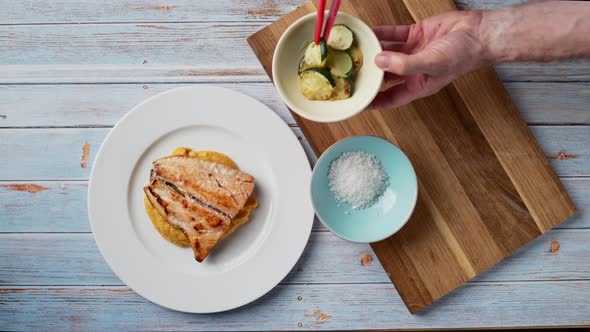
382, 61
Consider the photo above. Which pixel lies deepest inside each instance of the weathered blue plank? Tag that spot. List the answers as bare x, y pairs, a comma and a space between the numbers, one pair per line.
139, 73
105, 104
208, 70
302, 307
182, 52
579, 191
47, 11
566, 147
208, 44
62, 207
552, 103
486, 4
73, 259
540, 259
47, 153
54, 207
101, 104
54, 154
572, 70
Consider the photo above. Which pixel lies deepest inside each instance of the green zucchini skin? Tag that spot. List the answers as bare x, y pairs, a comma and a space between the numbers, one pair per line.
341, 37
324, 49
340, 63
316, 55
302, 66
327, 70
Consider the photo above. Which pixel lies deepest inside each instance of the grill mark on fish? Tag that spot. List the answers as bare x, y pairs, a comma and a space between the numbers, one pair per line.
228, 191
196, 199
205, 226
199, 197
158, 199
198, 177
172, 186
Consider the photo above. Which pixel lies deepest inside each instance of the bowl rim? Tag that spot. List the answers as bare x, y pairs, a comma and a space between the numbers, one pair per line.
389, 234
290, 105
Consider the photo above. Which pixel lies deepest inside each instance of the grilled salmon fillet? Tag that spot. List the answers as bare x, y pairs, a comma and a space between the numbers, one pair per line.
198, 197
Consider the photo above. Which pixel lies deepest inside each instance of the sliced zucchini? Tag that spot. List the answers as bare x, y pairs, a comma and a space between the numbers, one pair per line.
357, 58
343, 89
302, 66
340, 63
316, 84
316, 55
341, 37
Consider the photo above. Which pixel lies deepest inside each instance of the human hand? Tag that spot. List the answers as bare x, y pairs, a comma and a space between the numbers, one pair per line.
421, 59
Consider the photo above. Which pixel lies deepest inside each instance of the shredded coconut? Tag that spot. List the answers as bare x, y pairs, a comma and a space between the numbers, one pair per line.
357, 178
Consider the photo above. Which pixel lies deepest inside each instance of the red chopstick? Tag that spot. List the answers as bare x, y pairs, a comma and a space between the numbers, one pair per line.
319, 24
333, 12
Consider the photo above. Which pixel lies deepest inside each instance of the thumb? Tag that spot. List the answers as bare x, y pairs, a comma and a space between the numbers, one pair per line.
404, 64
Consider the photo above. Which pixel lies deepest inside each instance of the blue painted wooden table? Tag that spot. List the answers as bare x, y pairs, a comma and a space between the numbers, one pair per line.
70, 69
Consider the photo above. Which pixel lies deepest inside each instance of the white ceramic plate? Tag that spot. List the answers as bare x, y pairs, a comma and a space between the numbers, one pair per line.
244, 266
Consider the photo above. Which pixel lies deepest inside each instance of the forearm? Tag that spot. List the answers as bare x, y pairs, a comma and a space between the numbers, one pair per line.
542, 31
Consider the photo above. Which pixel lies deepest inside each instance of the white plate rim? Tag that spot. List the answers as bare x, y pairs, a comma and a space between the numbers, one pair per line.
129, 272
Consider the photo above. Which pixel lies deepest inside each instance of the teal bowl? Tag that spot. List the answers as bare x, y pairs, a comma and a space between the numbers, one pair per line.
391, 211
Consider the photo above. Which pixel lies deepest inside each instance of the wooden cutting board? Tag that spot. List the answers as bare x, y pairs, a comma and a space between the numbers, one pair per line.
485, 186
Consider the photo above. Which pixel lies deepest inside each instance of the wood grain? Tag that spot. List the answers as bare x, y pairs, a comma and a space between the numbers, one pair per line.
210, 71
125, 73
59, 208
485, 188
507, 134
108, 11
74, 260
188, 52
54, 153
490, 305
112, 44
88, 11
79, 105
62, 207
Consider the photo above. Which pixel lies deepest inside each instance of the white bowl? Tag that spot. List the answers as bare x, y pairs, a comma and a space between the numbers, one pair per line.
290, 50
